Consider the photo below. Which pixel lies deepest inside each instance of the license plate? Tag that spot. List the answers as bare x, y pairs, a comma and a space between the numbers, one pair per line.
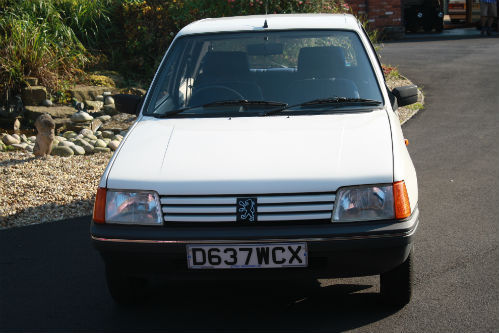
227, 256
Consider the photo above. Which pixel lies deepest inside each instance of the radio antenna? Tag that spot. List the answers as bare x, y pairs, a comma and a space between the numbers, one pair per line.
265, 24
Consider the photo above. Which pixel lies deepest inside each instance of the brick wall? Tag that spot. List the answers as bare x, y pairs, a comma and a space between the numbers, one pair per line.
384, 15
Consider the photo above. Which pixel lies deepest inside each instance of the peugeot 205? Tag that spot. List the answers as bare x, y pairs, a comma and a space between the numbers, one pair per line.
266, 147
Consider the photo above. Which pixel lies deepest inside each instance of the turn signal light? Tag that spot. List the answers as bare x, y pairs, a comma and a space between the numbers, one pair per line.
401, 198
406, 142
100, 206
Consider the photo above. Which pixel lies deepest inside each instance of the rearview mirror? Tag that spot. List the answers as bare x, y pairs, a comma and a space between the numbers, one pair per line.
264, 49
406, 95
128, 103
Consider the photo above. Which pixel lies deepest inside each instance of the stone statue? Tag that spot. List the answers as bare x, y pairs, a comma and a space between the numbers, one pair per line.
17, 125
45, 126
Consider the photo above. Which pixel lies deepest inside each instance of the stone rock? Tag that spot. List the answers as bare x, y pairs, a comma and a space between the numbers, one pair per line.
99, 98
95, 125
47, 103
62, 151
94, 105
45, 138
105, 118
91, 137
107, 134
32, 81
83, 93
30, 148
113, 145
136, 91
101, 150
32, 138
80, 136
80, 117
106, 93
100, 144
66, 144
20, 146
108, 100
17, 137
86, 132
10, 140
60, 138
17, 125
106, 140
77, 127
85, 145
77, 150
24, 138
34, 95
2, 146
69, 134
118, 137
110, 109
33, 112
92, 142
63, 124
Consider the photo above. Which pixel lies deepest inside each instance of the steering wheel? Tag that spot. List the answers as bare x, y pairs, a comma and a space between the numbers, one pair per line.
214, 93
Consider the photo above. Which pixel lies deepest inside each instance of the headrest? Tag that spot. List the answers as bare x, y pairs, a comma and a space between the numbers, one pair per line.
321, 62
226, 64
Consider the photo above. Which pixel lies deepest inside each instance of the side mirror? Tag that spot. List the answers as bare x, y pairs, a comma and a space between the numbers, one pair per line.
128, 103
406, 95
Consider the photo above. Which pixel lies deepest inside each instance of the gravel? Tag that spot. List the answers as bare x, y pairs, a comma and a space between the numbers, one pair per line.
36, 190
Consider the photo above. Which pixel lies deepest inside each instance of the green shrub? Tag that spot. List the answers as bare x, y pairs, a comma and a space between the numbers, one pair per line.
46, 38
89, 19
146, 27
55, 40
34, 41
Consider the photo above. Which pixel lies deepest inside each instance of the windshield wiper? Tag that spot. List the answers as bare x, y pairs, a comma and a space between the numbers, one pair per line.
169, 113
245, 102
242, 102
340, 101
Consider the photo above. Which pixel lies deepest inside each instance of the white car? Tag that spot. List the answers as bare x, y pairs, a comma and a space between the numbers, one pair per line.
266, 147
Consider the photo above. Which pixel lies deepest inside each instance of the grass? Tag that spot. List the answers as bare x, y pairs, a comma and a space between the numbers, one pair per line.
43, 38
415, 106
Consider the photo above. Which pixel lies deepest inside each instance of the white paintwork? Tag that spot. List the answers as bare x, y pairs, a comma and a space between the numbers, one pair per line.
274, 22
288, 154
256, 155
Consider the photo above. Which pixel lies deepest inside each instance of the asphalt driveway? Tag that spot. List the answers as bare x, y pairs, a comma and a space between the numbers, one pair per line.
51, 278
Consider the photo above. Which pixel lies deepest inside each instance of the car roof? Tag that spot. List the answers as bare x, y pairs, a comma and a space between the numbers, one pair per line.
274, 22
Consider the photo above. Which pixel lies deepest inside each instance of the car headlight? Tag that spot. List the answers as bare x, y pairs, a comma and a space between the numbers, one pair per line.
374, 202
420, 15
127, 207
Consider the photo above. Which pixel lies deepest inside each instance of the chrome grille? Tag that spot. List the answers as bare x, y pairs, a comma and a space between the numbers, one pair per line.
271, 208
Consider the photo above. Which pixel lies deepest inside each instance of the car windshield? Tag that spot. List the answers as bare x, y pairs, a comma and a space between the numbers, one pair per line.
253, 73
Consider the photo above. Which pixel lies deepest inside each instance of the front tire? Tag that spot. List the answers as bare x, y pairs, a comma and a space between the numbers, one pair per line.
396, 285
124, 289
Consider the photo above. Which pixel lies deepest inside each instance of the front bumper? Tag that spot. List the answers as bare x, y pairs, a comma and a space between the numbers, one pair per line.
335, 250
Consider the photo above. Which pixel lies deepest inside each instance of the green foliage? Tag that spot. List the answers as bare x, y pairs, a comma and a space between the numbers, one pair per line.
415, 106
55, 40
89, 19
148, 26
37, 38
391, 72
